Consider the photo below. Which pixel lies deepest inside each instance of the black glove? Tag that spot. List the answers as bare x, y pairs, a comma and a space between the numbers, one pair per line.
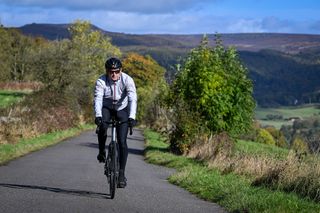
131, 122
98, 121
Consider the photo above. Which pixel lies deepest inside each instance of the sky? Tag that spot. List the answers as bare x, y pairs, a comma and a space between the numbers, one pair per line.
170, 16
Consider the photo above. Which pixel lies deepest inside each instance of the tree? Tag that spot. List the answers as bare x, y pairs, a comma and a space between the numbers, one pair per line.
5, 41
14, 55
52, 65
214, 83
144, 69
69, 67
89, 49
76, 62
148, 76
20, 52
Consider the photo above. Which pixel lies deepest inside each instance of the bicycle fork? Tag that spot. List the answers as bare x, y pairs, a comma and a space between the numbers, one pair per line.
112, 164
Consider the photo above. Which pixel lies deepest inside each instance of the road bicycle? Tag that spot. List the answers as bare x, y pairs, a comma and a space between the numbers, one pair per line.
112, 163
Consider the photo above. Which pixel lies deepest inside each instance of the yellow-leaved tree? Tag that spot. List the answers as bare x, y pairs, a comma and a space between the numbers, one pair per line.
148, 76
68, 68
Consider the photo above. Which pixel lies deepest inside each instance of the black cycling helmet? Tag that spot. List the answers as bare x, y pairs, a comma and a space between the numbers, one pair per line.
113, 63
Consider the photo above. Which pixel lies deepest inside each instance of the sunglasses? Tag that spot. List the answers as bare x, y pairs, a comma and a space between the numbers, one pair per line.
117, 71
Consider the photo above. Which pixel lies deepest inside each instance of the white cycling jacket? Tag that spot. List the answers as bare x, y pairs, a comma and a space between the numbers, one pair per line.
118, 94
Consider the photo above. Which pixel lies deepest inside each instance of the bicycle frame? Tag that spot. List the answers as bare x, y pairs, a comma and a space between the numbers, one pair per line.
112, 162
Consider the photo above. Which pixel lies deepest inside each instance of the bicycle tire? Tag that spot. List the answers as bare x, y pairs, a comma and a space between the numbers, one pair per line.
117, 164
112, 183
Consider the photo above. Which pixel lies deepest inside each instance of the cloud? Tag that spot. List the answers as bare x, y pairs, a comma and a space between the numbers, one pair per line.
277, 25
136, 6
182, 23
315, 26
22, 16
268, 24
274, 24
242, 25
162, 16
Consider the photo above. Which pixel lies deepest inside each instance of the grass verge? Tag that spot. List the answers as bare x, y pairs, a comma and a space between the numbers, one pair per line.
24, 146
8, 97
233, 192
259, 149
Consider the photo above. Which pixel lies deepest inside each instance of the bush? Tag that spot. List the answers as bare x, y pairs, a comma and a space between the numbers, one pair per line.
299, 145
43, 111
214, 83
208, 148
278, 137
187, 125
158, 114
265, 137
10, 132
211, 91
306, 130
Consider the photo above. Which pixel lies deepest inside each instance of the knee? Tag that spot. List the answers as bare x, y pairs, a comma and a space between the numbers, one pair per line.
103, 129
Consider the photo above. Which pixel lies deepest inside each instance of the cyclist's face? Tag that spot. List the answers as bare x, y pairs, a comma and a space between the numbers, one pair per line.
114, 74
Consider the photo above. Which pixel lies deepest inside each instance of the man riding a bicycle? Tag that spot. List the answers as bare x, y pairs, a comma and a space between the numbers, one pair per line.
115, 94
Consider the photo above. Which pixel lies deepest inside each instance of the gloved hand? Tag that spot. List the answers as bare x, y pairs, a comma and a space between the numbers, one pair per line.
98, 121
131, 122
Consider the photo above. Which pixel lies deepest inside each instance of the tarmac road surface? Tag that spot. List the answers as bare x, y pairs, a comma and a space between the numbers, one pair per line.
67, 178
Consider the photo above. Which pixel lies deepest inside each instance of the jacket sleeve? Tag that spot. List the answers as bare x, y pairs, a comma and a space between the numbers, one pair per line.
132, 98
98, 98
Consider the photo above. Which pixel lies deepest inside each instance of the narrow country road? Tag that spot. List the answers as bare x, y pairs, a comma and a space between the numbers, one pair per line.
67, 178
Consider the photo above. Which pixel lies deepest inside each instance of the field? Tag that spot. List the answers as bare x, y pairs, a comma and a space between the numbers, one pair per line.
302, 112
8, 97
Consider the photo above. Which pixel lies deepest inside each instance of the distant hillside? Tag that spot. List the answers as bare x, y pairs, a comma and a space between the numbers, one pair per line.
283, 79
48, 31
292, 43
283, 67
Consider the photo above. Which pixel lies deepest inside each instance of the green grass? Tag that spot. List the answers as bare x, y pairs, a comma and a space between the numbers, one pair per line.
233, 192
258, 149
9, 97
277, 124
24, 146
287, 112
306, 111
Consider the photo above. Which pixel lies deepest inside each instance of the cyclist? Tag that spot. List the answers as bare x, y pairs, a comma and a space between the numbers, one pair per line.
115, 94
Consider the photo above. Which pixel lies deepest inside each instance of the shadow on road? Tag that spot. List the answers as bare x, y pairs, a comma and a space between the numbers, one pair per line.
136, 138
136, 151
130, 150
59, 190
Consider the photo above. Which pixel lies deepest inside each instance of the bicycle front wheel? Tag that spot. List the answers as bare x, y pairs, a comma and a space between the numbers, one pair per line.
113, 178
112, 185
